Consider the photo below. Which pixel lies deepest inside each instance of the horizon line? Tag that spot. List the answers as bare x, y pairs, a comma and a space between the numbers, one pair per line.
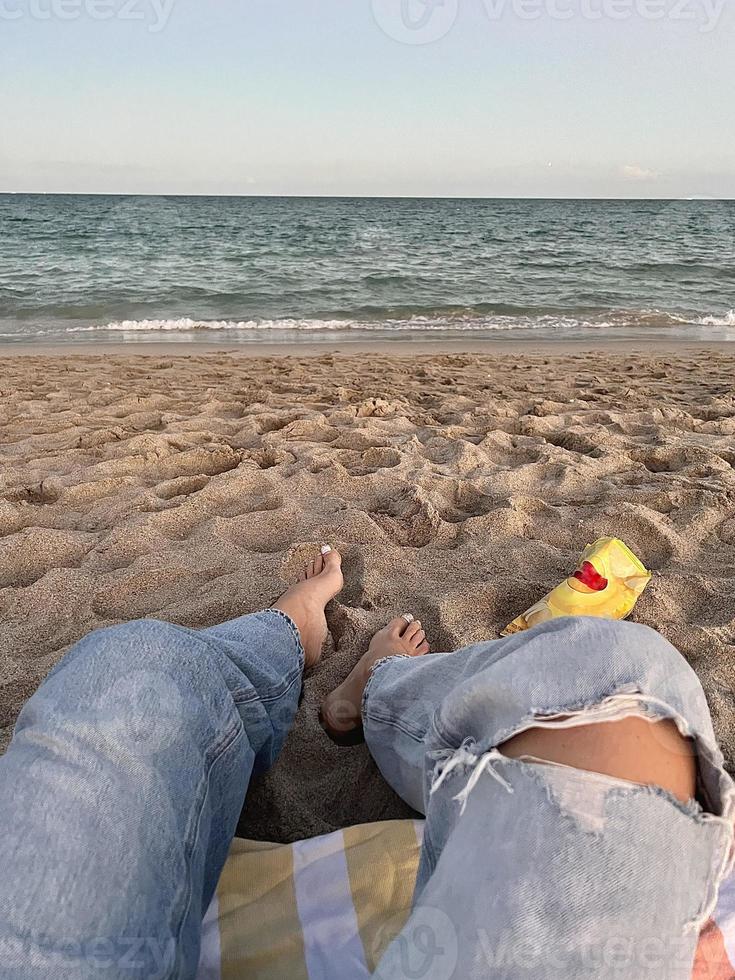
353, 197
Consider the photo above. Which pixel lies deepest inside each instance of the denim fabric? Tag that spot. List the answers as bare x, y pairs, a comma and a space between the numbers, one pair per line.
121, 790
120, 794
541, 871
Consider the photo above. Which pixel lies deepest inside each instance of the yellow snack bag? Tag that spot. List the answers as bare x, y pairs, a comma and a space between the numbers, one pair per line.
608, 583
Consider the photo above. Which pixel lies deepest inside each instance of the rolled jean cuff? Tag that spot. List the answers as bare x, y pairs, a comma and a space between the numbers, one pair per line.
373, 670
293, 631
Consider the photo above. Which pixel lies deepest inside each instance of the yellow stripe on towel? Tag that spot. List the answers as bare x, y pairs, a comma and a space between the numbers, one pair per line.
260, 930
381, 862
327, 908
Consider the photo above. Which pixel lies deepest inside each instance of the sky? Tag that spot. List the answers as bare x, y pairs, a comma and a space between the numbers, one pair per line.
455, 98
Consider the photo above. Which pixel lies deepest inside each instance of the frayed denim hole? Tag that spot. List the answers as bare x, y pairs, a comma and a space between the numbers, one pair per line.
552, 776
592, 821
633, 703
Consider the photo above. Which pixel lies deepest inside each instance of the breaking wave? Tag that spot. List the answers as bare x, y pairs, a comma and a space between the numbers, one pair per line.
435, 321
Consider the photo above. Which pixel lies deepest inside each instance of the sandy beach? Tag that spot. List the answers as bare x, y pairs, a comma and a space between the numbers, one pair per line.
191, 485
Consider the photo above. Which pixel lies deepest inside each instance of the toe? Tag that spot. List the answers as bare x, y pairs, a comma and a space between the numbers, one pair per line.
417, 639
423, 649
412, 629
396, 627
318, 564
331, 560
310, 570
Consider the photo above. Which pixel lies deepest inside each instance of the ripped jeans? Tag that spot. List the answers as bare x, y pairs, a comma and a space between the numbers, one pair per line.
544, 871
121, 790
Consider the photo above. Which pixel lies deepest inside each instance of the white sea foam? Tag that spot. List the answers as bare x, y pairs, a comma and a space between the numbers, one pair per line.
414, 323
728, 320
420, 323
187, 324
427, 323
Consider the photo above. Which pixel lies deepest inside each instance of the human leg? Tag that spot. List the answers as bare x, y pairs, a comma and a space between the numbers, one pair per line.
539, 868
121, 790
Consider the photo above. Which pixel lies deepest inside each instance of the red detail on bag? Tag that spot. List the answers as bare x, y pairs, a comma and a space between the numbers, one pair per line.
589, 576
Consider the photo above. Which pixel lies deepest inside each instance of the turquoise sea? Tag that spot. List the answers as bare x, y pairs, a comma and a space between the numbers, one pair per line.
92, 268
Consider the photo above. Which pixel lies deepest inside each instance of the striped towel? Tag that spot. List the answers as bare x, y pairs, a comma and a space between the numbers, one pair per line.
327, 908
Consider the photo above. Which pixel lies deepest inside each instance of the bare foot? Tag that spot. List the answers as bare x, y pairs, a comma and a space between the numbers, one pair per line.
341, 712
305, 602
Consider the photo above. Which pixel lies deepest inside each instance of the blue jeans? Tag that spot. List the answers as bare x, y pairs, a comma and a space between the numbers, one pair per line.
121, 790
535, 870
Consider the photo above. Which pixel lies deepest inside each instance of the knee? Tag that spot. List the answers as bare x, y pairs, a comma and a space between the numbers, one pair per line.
126, 686
634, 749
142, 644
620, 639
628, 652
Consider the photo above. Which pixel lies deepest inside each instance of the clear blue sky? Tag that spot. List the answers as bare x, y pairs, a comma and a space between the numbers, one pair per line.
316, 97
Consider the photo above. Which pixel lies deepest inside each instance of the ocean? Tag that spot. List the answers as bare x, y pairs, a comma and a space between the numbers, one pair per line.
114, 269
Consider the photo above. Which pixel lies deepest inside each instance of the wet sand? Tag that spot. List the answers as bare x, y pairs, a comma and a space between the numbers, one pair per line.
191, 484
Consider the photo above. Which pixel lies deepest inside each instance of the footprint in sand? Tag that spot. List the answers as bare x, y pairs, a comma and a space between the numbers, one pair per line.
674, 459
409, 518
27, 556
182, 487
37, 494
371, 461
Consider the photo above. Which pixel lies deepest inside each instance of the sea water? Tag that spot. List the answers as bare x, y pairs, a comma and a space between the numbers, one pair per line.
96, 268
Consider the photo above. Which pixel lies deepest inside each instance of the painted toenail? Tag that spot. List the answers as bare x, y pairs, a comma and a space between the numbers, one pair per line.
408, 617
326, 549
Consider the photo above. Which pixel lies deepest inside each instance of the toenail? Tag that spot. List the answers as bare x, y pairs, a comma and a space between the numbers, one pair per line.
408, 617
326, 549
